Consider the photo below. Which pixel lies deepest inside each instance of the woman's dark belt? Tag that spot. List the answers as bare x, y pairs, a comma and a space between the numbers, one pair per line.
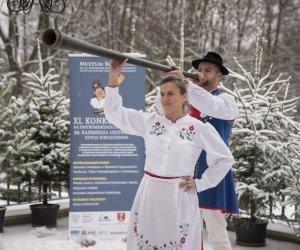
160, 177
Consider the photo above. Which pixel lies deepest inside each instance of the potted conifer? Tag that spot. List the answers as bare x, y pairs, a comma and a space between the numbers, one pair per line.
52, 135
17, 149
259, 144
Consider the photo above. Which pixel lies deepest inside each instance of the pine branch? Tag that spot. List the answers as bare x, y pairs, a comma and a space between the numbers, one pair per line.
272, 102
181, 64
236, 75
273, 83
242, 102
264, 78
228, 90
40, 58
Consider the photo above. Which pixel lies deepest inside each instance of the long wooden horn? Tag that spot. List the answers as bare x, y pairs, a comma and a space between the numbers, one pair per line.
55, 39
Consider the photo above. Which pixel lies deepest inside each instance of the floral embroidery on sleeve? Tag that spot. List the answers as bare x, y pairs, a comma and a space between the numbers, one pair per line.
187, 134
158, 129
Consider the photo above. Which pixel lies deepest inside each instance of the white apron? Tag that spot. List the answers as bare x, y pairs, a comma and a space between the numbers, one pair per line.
164, 217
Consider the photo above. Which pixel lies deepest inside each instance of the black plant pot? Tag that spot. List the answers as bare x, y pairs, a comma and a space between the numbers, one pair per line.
251, 233
44, 215
2, 213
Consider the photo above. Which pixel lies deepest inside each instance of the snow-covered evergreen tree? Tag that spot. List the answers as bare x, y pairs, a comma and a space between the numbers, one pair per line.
265, 138
17, 149
51, 129
292, 167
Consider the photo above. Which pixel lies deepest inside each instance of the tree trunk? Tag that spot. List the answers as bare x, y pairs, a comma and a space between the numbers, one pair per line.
281, 7
45, 195
122, 25
269, 15
19, 193
29, 191
222, 40
241, 23
8, 196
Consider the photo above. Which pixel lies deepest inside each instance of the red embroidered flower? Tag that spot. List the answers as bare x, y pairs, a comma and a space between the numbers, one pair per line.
191, 128
135, 229
157, 123
182, 240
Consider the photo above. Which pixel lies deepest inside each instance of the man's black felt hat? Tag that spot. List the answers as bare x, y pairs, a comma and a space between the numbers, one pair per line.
214, 58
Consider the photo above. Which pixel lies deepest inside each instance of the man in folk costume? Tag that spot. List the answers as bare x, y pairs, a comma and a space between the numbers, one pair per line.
220, 110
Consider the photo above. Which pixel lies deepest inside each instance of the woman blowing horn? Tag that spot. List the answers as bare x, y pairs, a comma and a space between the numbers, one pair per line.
165, 212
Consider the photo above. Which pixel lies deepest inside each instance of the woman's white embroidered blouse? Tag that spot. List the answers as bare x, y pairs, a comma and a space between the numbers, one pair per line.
172, 149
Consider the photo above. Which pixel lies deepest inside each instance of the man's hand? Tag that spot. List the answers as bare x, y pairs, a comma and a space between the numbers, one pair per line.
176, 71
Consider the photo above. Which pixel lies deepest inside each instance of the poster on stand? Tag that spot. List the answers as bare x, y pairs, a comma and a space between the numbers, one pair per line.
106, 164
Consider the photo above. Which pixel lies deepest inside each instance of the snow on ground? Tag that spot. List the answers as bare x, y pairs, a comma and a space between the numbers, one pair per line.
25, 237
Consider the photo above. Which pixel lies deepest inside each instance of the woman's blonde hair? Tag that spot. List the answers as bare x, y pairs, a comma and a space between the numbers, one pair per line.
181, 85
